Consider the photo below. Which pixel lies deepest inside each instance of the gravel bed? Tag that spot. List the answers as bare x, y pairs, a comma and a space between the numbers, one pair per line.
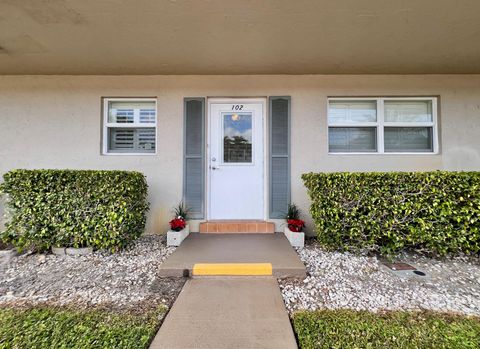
344, 280
124, 279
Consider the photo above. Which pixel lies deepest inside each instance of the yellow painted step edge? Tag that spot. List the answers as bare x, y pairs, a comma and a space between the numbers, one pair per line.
244, 269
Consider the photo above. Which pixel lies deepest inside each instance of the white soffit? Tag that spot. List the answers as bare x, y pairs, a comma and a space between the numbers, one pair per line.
239, 37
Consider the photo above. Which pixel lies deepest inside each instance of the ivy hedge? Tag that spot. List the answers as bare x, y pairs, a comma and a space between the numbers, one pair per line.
433, 212
344, 329
73, 208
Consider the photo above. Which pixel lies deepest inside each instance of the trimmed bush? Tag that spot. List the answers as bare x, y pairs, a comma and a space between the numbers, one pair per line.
66, 328
101, 209
434, 212
345, 329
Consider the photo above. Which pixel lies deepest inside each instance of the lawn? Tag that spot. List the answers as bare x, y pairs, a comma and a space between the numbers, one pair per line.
400, 329
67, 328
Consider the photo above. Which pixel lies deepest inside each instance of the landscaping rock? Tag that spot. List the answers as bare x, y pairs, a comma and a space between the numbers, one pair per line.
123, 279
71, 251
58, 251
5, 256
344, 280
41, 258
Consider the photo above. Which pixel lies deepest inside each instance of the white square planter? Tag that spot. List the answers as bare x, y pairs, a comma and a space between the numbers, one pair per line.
296, 239
175, 238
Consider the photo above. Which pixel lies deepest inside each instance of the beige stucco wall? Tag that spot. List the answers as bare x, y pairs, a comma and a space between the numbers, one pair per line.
55, 122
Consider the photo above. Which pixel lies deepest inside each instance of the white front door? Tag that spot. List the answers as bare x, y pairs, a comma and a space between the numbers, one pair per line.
236, 163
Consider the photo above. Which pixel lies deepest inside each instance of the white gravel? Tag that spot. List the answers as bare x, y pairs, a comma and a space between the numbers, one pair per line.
123, 278
343, 280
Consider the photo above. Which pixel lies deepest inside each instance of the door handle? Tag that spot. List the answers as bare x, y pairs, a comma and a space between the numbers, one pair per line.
214, 168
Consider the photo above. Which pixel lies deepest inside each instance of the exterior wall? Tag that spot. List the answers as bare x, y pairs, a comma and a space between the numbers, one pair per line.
55, 122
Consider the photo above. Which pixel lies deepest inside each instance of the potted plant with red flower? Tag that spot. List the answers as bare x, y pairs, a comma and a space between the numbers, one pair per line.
177, 224
293, 230
179, 229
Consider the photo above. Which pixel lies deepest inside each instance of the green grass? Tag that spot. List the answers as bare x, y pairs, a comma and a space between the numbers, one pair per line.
360, 329
66, 328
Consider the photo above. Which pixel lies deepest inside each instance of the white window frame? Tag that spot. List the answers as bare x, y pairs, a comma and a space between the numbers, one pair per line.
106, 124
380, 124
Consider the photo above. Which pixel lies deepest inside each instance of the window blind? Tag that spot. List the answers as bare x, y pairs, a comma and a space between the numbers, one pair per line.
131, 140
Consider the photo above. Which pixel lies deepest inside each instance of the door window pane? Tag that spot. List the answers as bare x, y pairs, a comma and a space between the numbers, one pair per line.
408, 111
408, 139
237, 138
352, 111
352, 139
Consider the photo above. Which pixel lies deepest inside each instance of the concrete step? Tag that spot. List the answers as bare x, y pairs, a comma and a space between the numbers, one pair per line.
237, 226
227, 312
234, 248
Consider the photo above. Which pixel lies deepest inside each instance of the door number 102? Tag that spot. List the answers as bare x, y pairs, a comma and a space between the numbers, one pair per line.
237, 107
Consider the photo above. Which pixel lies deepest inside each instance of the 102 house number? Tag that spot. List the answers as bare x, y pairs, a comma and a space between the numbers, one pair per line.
237, 107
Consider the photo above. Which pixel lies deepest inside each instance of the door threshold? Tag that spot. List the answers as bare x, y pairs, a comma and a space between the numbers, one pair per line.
237, 226
235, 221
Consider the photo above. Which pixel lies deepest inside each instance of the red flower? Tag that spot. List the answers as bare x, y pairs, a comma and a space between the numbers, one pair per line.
295, 225
177, 224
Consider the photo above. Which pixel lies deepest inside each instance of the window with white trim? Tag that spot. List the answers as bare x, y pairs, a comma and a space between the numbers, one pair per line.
129, 126
382, 125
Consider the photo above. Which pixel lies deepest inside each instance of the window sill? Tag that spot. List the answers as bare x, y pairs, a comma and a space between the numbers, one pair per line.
386, 153
129, 154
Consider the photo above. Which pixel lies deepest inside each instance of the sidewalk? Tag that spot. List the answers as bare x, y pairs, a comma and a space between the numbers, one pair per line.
227, 312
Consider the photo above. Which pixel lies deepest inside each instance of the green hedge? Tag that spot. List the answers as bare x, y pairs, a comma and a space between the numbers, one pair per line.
65, 328
102, 209
435, 212
344, 329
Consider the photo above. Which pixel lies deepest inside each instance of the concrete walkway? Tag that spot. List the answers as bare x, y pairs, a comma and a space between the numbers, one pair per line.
235, 248
227, 312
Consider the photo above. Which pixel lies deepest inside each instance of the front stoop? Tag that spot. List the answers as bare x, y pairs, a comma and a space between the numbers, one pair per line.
227, 312
233, 249
241, 226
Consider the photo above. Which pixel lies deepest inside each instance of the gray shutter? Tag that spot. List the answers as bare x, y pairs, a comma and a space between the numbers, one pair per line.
279, 156
194, 156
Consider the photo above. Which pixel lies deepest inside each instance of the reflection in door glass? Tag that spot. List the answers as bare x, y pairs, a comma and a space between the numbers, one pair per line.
237, 137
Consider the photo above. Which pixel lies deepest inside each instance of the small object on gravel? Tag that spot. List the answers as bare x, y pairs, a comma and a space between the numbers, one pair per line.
41, 258
399, 266
72, 251
404, 270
